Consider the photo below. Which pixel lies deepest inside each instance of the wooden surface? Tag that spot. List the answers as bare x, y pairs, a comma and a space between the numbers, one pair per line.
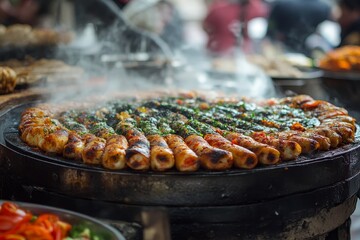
22, 94
56, 91
19, 96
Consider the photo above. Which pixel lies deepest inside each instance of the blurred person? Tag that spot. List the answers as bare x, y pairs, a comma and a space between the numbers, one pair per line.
156, 16
112, 30
121, 3
349, 20
227, 19
23, 11
291, 22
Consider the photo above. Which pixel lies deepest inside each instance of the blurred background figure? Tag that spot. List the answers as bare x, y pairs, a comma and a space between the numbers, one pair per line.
292, 22
228, 18
121, 3
23, 11
349, 20
156, 16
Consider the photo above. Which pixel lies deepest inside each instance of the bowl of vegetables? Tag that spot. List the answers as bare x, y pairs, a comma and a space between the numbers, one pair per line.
26, 221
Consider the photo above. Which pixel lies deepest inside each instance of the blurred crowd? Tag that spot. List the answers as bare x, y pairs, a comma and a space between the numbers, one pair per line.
23, 11
301, 26
304, 26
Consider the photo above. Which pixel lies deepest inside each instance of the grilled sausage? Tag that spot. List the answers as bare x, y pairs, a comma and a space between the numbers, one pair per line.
36, 122
296, 101
289, 150
324, 142
54, 142
210, 158
266, 155
138, 153
335, 138
320, 107
185, 158
243, 158
93, 150
74, 147
36, 112
347, 134
308, 145
161, 156
115, 152
34, 135
341, 118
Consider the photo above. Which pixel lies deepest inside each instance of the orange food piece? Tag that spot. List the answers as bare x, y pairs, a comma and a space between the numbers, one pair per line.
298, 127
16, 224
342, 59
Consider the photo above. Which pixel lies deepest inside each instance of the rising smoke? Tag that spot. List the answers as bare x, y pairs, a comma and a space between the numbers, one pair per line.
123, 59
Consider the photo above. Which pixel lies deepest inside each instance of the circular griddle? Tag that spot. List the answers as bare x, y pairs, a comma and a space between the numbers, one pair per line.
172, 188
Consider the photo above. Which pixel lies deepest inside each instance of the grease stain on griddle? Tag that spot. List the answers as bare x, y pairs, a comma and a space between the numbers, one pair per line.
327, 218
131, 186
74, 179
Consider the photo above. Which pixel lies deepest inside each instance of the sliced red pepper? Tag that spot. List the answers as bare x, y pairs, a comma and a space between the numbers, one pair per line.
17, 225
8, 222
57, 234
11, 209
13, 237
46, 224
32, 232
49, 217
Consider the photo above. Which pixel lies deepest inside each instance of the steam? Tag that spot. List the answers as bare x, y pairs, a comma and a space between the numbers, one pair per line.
120, 59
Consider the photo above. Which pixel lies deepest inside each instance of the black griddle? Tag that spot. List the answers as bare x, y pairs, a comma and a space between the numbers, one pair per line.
174, 188
268, 201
